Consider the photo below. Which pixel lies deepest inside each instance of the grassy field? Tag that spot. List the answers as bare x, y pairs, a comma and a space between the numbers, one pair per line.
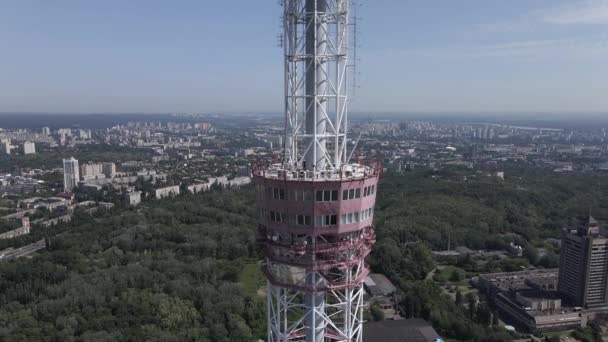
252, 278
446, 275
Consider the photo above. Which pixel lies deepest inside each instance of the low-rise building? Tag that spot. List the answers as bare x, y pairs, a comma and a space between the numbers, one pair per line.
379, 291
49, 203
51, 222
23, 230
167, 192
202, 187
134, 198
222, 181
17, 185
378, 285
90, 187
239, 181
542, 279
146, 176
15, 233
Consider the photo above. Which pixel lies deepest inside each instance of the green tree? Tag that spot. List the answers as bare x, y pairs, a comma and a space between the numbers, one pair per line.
458, 299
531, 253
471, 304
549, 260
377, 313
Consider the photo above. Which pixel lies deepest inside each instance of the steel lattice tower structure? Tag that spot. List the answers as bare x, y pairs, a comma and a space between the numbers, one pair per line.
315, 208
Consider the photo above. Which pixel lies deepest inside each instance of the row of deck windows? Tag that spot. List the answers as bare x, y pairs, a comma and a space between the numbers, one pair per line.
277, 217
327, 195
300, 195
369, 190
326, 220
351, 194
320, 195
320, 220
300, 220
356, 216
275, 193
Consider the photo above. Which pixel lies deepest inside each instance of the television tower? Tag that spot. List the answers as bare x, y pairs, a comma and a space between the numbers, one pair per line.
316, 208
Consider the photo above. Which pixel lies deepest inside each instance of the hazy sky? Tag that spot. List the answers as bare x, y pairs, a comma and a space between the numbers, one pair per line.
217, 55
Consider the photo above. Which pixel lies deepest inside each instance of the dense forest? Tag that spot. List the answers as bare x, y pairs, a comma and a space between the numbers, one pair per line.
185, 269
481, 210
172, 271
423, 210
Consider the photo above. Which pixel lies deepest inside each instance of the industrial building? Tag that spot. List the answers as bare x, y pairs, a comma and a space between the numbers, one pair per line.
529, 300
557, 299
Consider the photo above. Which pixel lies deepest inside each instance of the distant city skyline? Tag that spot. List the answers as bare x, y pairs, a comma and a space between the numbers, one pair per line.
199, 56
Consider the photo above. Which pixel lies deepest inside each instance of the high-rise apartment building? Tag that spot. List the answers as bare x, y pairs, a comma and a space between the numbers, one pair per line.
46, 131
84, 133
90, 170
64, 132
583, 269
29, 147
97, 170
71, 174
6, 147
108, 169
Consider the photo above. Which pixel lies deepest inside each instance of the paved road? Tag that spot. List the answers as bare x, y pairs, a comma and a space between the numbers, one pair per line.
429, 276
11, 253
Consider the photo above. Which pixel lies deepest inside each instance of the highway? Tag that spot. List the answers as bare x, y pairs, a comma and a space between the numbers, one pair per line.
11, 253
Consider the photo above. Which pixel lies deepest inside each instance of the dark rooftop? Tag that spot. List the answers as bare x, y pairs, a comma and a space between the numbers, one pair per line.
538, 294
587, 226
404, 330
378, 285
518, 281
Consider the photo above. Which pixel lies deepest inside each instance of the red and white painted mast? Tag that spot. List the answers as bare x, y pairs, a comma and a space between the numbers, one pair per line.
316, 207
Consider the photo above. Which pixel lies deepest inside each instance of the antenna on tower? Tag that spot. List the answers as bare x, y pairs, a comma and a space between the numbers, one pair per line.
280, 40
355, 4
281, 35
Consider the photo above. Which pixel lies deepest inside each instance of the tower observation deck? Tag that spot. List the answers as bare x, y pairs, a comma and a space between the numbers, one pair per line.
315, 208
